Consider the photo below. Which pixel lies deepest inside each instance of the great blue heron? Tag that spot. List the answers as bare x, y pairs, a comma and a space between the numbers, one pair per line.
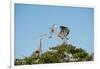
53, 30
64, 31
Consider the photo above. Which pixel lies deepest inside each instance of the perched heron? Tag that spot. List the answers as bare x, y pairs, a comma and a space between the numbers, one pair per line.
53, 28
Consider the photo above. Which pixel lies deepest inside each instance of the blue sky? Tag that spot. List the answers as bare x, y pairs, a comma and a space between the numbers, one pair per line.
31, 21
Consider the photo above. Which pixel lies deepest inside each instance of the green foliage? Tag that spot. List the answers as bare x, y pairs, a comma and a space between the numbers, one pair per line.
59, 54
49, 57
